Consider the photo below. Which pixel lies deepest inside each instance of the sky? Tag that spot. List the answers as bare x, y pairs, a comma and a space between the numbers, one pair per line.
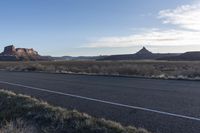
100, 27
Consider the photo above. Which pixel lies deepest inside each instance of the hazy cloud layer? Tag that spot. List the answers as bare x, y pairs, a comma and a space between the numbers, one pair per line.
186, 18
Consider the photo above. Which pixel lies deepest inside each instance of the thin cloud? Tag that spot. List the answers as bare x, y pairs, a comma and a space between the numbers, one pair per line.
156, 38
185, 17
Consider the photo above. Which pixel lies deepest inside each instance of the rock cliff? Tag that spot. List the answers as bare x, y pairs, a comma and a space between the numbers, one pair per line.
11, 53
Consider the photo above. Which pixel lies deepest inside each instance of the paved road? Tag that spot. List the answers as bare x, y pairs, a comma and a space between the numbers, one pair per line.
161, 106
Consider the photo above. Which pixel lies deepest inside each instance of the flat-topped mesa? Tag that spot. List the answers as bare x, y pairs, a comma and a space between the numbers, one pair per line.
24, 51
20, 53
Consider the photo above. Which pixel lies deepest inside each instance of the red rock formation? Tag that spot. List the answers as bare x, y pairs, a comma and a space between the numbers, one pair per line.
20, 53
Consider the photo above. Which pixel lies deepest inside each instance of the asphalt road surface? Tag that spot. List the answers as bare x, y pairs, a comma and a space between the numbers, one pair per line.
160, 106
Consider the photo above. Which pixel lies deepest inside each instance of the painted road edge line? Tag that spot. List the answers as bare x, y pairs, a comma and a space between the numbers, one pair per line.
104, 101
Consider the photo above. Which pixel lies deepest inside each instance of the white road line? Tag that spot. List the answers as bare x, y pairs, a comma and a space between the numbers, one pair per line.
103, 101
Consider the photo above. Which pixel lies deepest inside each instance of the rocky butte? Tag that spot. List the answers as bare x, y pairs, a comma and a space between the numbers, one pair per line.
142, 54
11, 53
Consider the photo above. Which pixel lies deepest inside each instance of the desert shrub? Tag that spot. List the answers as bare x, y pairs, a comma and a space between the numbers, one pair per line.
17, 126
131, 68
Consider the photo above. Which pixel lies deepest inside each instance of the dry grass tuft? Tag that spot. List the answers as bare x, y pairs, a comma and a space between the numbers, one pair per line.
23, 114
18, 126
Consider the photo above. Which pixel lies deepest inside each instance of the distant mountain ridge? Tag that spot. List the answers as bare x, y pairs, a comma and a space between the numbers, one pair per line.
11, 53
188, 56
80, 58
145, 54
142, 54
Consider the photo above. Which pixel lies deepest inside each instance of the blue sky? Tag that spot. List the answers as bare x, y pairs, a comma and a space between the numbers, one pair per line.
99, 27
